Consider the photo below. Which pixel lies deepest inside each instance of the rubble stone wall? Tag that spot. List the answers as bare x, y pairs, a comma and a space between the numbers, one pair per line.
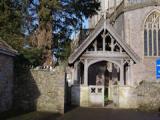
6, 82
40, 90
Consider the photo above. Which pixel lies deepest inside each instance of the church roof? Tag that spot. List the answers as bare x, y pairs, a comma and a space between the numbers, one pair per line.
100, 26
7, 49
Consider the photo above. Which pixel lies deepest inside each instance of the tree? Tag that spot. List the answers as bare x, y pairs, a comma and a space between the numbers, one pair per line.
56, 20
10, 23
44, 24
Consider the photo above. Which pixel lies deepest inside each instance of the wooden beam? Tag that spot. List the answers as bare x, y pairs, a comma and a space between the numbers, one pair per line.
105, 54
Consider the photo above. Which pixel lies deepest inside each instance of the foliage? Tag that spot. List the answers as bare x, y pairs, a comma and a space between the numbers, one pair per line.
10, 23
33, 55
19, 18
29, 57
67, 12
65, 51
64, 15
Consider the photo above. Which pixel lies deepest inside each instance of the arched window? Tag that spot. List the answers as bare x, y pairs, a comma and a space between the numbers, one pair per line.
152, 35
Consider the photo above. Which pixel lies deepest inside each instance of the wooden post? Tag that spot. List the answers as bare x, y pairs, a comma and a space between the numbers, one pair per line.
104, 37
95, 45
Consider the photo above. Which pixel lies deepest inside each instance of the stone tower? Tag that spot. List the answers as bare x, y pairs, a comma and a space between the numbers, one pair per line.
106, 6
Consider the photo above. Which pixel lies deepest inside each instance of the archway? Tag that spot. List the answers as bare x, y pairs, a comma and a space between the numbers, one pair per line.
103, 74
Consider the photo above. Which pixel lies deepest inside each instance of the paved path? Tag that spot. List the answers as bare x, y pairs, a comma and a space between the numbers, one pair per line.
108, 114
92, 114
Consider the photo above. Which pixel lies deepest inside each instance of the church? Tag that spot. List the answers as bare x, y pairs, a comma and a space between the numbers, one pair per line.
116, 53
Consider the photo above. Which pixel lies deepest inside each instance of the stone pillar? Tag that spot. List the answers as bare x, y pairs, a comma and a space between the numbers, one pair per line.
85, 72
122, 73
128, 76
130, 72
75, 72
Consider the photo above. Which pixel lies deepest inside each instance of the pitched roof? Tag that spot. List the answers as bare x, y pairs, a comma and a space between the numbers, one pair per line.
100, 26
7, 49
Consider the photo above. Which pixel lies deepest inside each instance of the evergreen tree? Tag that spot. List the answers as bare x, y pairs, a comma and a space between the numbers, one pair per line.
10, 23
57, 20
46, 24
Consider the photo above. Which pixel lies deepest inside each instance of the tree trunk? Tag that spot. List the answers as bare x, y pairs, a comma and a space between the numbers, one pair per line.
42, 39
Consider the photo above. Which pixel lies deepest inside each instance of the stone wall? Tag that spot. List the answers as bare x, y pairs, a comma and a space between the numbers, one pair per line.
40, 90
119, 26
6, 82
134, 36
132, 22
148, 95
127, 97
84, 98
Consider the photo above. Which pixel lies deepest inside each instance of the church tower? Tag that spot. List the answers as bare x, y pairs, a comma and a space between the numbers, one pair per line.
121, 50
107, 6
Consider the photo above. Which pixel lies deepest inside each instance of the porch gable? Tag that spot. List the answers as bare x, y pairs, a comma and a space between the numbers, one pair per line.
101, 28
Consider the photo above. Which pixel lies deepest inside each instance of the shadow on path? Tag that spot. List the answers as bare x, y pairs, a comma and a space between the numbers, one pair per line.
37, 116
108, 114
92, 114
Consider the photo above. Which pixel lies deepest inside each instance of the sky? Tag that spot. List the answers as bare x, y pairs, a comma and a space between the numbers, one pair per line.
85, 25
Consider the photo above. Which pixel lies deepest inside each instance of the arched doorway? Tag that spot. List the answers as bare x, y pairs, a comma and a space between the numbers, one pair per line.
102, 76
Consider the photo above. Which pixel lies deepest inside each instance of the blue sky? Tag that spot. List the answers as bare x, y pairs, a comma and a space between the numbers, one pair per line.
85, 25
